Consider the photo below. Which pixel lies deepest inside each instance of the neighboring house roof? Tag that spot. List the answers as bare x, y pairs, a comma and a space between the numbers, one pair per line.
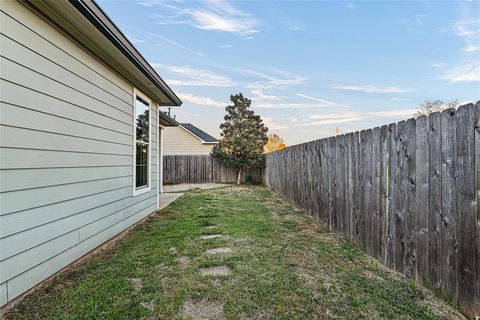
202, 135
88, 24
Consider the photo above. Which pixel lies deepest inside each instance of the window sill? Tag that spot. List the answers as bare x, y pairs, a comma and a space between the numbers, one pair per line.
137, 192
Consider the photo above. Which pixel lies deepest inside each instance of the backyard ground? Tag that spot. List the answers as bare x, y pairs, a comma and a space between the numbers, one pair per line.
231, 253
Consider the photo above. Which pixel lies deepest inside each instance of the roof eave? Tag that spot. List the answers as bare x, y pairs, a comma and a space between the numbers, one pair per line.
195, 135
166, 121
87, 23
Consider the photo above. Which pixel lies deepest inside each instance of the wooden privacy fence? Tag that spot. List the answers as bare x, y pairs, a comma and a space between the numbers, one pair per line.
202, 168
407, 193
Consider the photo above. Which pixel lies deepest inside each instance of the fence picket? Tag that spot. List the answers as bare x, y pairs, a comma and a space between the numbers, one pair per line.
202, 168
421, 202
466, 207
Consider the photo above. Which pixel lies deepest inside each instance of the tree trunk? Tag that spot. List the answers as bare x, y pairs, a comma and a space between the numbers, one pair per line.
239, 176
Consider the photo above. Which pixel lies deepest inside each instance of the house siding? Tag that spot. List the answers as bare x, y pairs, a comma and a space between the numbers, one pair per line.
177, 141
66, 150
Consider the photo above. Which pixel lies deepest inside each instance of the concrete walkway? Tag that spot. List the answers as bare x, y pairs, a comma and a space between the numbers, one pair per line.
167, 198
187, 186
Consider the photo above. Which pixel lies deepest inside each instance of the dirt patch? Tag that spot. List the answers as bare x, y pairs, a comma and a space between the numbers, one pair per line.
166, 213
211, 236
215, 271
327, 281
275, 215
136, 284
173, 250
307, 278
183, 261
218, 251
150, 306
439, 308
162, 268
370, 275
202, 310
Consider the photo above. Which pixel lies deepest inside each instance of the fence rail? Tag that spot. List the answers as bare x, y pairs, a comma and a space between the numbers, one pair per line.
408, 194
202, 168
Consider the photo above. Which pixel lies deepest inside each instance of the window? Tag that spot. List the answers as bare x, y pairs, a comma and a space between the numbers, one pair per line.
142, 144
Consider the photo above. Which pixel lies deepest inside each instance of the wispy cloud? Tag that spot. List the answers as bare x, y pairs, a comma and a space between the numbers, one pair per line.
401, 99
194, 77
262, 100
226, 46
175, 44
203, 101
322, 101
352, 116
469, 30
272, 124
280, 79
469, 68
260, 97
467, 71
439, 64
135, 40
471, 48
215, 15
419, 19
295, 25
372, 89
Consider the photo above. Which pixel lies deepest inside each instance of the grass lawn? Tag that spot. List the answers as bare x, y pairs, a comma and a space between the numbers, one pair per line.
281, 265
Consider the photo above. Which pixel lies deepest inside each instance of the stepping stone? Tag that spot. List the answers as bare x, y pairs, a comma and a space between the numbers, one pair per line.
218, 250
211, 236
211, 227
215, 271
202, 310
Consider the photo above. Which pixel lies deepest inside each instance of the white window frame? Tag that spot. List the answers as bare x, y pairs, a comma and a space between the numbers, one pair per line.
148, 188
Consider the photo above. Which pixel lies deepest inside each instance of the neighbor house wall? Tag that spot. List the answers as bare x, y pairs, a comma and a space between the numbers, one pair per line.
180, 142
66, 126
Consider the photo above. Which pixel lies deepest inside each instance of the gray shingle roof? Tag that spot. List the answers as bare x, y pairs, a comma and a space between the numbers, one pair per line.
199, 133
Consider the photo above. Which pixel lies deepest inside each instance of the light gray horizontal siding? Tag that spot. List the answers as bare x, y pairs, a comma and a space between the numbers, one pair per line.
16, 116
38, 178
21, 96
66, 149
21, 262
18, 73
25, 280
41, 64
25, 27
3, 293
28, 219
16, 201
25, 158
18, 137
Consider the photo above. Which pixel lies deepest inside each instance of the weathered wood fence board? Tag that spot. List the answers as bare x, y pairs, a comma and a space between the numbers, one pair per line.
408, 194
201, 169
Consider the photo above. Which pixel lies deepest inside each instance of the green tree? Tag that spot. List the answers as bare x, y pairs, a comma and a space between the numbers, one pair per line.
243, 137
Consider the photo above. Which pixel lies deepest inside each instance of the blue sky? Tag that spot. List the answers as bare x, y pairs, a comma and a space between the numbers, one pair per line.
308, 66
